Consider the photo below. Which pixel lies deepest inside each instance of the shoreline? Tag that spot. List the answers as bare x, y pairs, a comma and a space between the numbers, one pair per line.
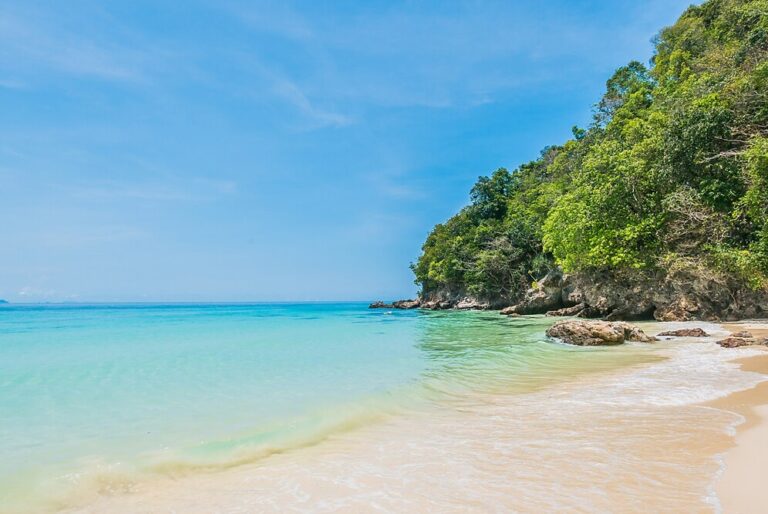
739, 487
661, 452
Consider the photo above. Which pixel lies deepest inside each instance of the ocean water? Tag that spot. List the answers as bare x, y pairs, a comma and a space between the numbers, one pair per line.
95, 399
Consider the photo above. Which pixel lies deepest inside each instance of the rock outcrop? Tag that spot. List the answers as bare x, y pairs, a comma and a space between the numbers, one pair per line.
406, 304
471, 303
400, 304
680, 294
597, 333
685, 332
545, 295
568, 311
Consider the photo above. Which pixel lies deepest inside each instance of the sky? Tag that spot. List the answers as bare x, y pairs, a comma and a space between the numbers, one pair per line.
224, 150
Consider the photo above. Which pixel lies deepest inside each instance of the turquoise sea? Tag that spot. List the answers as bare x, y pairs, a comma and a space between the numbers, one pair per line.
94, 397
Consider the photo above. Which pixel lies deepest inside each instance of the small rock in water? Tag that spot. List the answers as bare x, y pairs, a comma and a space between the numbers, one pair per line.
743, 338
685, 332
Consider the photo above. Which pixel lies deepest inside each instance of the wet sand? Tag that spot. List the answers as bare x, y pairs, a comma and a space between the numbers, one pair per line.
741, 488
648, 438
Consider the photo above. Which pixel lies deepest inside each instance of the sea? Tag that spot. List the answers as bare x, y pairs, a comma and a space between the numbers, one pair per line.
315, 407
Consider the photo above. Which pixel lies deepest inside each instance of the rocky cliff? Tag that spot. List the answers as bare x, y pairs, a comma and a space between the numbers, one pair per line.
680, 294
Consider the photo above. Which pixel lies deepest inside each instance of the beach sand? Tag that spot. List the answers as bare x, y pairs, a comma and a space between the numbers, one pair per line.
741, 488
633, 440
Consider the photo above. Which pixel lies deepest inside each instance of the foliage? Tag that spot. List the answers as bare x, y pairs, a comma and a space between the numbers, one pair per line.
674, 165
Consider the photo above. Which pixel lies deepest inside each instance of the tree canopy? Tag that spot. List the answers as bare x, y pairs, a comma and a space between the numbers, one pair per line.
674, 166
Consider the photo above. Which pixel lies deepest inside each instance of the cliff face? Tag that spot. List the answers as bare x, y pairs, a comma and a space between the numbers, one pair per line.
680, 294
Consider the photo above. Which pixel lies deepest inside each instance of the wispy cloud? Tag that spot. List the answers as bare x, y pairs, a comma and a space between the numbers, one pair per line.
190, 189
291, 93
12, 84
31, 41
83, 236
276, 18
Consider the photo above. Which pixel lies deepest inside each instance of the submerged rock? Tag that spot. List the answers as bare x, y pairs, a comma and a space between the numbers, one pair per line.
685, 332
597, 333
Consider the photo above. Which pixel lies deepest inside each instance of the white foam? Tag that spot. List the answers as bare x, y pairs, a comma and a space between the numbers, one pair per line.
694, 372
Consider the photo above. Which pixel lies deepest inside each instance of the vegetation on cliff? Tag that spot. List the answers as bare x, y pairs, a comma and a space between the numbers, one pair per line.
672, 170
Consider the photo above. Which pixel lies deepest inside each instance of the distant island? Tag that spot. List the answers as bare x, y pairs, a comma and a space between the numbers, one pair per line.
659, 208
3, 301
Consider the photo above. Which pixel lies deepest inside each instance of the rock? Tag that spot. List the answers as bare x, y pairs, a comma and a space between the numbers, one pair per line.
470, 303
735, 342
685, 332
381, 305
634, 333
508, 311
568, 311
596, 333
406, 304
546, 295
684, 291
742, 338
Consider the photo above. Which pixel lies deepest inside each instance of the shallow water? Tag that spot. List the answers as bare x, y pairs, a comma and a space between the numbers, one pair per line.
328, 407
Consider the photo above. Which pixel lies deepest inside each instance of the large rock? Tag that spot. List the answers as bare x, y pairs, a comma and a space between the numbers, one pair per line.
736, 342
596, 333
546, 295
406, 304
381, 305
568, 311
685, 332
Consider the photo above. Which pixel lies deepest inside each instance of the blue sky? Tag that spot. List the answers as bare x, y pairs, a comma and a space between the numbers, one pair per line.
247, 151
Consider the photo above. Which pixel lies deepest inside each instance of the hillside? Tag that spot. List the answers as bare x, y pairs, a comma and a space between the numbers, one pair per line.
667, 189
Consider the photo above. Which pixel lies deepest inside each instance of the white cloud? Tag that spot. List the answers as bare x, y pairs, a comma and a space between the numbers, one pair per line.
319, 117
31, 41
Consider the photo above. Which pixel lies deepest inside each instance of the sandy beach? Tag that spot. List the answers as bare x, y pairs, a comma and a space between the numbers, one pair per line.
741, 488
631, 440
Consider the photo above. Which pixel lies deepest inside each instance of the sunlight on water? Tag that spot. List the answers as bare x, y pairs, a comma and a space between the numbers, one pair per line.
95, 398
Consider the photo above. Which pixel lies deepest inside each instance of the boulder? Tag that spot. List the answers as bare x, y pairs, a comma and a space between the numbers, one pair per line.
742, 334
685, 332
596, 333
381, 305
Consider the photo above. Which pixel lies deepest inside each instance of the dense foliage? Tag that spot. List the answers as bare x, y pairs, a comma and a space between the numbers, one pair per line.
673, 168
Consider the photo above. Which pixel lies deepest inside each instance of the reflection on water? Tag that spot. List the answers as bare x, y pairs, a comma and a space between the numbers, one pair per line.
483, 351
108, 398
630, 440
